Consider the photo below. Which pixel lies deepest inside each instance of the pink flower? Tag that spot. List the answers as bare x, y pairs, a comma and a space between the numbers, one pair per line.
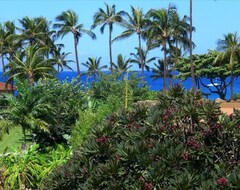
148, 186
222, 181
185, 155
193, 143
117, 157
101, 139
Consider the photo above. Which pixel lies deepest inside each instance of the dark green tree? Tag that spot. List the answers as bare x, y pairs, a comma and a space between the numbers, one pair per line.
205, 67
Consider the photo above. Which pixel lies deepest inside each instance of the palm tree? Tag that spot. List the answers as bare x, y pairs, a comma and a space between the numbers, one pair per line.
34, 30
93, 66
68, 23
191, 47
104, 18
229, 47
135, 24
141, 59
158, 70
160, 31
180, 37
122, 64
18, 114
3, 38
7, 31
31, 65
61, 58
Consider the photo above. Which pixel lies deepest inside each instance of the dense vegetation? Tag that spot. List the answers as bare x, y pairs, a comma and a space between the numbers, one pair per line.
104, 135
183, 142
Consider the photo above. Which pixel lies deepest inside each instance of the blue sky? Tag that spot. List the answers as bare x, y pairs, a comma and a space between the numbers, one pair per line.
212, 19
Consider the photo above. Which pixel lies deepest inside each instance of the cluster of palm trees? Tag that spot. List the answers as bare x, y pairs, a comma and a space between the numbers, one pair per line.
32, 51
159, 28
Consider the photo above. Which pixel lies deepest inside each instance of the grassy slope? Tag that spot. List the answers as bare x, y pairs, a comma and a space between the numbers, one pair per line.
14, 138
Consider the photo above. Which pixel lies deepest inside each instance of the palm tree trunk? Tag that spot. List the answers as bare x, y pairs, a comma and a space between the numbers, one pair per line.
76, 56
141, 56
3, 67
175, 62
191, 60
110, 48
165, 66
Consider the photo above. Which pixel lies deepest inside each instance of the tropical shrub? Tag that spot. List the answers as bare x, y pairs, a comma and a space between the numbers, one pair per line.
49, 109
92, 116
26, 170
184, 142
114, 85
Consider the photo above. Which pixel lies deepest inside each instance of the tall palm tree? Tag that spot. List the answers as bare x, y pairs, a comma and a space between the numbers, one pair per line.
122, 64
142, 60
7, 44
135, 23
93, 66
191, 48
31, 64
229, 47
107, 18
68, 23
3, 38
33, 30
160, 31
180, 37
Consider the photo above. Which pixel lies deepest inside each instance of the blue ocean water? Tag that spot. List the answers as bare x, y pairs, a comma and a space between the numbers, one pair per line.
153, 84
158, 84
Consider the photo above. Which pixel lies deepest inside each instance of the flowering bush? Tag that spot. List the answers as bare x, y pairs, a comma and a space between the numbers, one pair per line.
183, 142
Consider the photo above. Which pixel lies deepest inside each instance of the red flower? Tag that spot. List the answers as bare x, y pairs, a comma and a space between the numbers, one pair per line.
185, 155
165, 118
148, 186
193, 143
117, 157
141, 178
222, 181
101, 139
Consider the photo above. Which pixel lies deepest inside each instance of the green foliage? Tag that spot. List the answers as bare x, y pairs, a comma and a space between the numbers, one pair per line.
48, 109
113, 85
26, 170
90, 117
236, 96
184, 142
206, 66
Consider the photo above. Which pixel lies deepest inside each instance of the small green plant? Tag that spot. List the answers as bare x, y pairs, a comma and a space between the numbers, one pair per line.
236, 96
26, 170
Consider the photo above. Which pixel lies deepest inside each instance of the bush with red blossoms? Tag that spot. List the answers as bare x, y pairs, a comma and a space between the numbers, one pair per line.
191, 148
222, 181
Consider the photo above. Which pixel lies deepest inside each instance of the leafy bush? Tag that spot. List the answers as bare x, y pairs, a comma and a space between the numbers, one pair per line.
184, 142
48, 109
26, 170
91, 117
113, 85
